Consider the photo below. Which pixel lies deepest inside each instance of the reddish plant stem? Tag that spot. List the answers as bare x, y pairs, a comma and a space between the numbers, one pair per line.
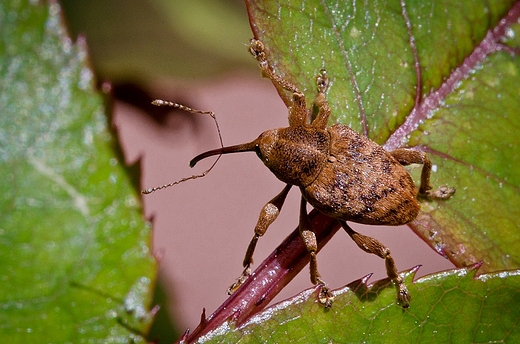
491, 43
275, 272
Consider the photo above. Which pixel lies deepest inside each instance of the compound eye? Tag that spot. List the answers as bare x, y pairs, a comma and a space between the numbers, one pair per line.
258, 152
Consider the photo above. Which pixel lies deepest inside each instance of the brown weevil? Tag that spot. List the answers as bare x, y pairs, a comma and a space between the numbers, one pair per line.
339, 172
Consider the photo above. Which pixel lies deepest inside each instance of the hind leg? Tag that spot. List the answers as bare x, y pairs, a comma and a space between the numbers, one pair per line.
373, 246
410, 156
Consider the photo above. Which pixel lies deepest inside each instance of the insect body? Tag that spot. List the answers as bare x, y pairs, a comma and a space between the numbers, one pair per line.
339, 172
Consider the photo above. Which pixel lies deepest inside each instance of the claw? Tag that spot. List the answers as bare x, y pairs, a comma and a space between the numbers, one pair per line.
256, 48
325, 297
240, 280
322, 81
444, 192
403, 296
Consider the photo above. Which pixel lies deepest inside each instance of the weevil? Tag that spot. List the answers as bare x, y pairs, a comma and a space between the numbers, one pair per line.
340, 173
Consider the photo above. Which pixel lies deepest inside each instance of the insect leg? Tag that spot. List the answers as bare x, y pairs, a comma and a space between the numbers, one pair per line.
309, 238
373, 246
320, 102
298, 113
410, 156
268, 214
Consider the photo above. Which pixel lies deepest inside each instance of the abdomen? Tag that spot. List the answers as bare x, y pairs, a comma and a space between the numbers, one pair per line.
362, 183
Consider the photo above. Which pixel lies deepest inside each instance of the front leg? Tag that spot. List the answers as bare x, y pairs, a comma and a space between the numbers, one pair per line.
298, 112
268, 214
320, 102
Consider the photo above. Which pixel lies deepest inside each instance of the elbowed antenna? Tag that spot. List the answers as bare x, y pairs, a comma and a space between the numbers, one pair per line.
159, 102
245, 147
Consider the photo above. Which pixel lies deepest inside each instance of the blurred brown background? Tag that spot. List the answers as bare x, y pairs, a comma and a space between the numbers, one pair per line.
194, 52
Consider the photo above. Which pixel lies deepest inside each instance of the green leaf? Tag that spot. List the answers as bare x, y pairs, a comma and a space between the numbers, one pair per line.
440, 77
74, 250
461, 57
448, 307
